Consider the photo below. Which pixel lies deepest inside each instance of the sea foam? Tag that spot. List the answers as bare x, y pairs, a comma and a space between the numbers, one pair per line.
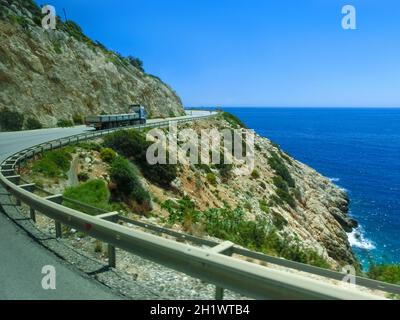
358, 240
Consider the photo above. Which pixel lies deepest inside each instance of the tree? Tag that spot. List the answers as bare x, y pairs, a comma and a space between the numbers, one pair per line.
136, 62
11, 120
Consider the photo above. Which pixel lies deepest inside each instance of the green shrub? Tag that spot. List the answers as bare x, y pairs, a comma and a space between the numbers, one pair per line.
75, 31
64, 123
248, 206
90, 146
255, 174
125, 175
31, 6
233, 120
276, 163
225, 170
83, 176
204, 167
386, 273
279, 221
94, 193
283, 181
211, 178
57, 46
264, 206
137, 63
108, 155
281, 184
277, 146
18, 20
53, 163
11, 120
182, 211
33, 124
101, 46
132, 144
286, 197
78, 119
283, 192
286, 157
295, 252
232, 225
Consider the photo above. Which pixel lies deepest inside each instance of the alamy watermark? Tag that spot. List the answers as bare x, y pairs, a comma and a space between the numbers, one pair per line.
49, 21
49, 279
349, 21
188, 147
350, 276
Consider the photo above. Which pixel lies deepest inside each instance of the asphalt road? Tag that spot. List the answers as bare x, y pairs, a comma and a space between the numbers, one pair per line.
22, 259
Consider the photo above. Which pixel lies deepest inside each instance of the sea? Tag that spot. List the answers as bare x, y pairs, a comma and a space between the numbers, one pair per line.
358, 150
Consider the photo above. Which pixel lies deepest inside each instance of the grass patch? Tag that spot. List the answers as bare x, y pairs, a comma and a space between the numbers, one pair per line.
94, 193
53, 164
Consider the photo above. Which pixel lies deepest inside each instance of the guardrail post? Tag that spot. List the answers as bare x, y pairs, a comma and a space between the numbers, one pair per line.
113, 217
58, 198
32, 214
219, 293
111, 256
226, 249
28, 187
58, 230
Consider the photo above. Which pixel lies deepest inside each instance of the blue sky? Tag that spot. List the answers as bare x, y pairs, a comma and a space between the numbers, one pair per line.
255, 52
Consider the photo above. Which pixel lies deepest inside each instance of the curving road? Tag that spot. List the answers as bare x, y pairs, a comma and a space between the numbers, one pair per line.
22, 259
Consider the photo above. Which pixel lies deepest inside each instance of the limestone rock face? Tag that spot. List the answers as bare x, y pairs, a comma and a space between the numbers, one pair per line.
319, 220
51, 75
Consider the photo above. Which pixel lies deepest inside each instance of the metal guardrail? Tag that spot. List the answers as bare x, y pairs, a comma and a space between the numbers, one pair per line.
213, 264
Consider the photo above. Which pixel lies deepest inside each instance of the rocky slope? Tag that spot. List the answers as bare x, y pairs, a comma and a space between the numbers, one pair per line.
52, 75
316, 220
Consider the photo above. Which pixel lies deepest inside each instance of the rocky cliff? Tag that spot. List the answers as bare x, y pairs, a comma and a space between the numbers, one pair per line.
56, 74
305, 207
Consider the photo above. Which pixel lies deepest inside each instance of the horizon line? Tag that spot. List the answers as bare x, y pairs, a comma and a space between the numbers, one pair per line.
292, 107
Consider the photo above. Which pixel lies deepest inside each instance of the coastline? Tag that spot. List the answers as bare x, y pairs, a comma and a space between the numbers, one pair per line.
357, 145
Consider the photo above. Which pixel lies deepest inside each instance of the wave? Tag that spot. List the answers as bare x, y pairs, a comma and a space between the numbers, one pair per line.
358, 240
334, 181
